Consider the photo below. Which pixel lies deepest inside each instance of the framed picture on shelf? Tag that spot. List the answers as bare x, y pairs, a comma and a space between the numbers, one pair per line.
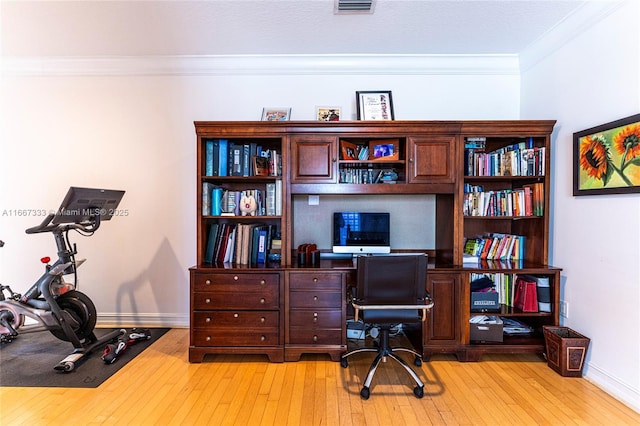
374, 105
348, 151
384, 150
260, 166
328, 113
276, 114
606, 158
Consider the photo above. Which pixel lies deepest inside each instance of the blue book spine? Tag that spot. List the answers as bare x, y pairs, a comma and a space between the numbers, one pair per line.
223, 157
262, 246
216, 202
208, 158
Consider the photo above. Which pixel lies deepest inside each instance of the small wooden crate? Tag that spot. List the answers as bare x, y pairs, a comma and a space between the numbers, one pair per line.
566, 350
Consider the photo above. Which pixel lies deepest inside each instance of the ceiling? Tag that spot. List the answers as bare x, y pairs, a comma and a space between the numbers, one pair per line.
274, 27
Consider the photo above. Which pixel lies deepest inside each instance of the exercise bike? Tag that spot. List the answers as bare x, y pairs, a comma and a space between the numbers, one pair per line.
53, 304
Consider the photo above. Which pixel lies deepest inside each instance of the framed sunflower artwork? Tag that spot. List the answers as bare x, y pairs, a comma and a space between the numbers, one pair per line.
606, 158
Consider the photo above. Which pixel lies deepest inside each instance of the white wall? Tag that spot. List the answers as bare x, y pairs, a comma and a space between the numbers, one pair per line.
135, 132
591, 80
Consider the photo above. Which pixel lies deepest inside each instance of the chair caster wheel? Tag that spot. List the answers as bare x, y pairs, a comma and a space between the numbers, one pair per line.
344, 363
418, 391
365, 393
417, 361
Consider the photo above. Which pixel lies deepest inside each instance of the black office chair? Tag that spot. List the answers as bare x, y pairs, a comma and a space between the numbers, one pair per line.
390, 290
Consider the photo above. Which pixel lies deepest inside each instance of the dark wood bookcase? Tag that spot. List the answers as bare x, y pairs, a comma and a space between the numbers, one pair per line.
429, 157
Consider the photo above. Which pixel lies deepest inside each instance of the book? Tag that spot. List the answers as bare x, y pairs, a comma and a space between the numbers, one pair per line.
208, 157
211, 243
543, 290
223, 157
525, 297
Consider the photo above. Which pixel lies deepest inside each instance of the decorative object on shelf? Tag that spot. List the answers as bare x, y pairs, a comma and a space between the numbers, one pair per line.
330, 113
348, 151
606, 158
276, 114
260, 166
374, 105
248, 205
384, 150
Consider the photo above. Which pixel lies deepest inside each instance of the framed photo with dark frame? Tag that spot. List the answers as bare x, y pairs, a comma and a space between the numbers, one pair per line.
606, 158
374, 105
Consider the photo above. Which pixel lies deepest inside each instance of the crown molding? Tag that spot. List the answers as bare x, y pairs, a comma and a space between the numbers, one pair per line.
566, 30
261, 65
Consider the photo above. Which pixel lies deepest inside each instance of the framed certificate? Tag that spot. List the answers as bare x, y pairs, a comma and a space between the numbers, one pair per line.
374, 105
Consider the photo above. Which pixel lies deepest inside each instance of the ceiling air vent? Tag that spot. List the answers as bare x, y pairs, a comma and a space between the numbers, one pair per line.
353, 6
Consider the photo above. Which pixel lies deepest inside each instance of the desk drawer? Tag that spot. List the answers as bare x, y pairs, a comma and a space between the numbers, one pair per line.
238, 299
315, 318
315, 280
235, 281
305, 336
235, 319
235, 337
314, 299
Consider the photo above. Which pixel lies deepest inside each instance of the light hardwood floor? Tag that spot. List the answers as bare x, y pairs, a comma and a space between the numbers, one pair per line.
160, 387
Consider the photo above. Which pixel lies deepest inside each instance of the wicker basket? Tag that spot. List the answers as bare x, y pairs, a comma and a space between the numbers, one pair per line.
566, 350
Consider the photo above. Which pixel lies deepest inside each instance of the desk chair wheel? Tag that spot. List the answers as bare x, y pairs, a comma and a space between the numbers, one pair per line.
343, 362
417, 361
418, 391
365, 393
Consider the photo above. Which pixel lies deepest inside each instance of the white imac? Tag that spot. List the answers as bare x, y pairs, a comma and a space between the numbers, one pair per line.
361, 233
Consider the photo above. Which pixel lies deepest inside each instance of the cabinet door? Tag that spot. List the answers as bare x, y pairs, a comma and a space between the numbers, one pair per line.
313, 159
431, 159
443, 323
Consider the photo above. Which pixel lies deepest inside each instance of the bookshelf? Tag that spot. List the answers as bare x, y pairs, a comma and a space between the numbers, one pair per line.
484, 186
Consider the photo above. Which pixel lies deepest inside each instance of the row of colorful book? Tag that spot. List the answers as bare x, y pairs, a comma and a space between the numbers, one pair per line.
241, 243
525, 201
225, 158
495, 246
520, 159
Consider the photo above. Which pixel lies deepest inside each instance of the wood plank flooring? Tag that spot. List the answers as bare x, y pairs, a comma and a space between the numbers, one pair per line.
160, 387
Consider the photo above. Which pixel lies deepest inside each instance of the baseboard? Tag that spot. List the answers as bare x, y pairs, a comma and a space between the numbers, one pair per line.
614, 387
143, 320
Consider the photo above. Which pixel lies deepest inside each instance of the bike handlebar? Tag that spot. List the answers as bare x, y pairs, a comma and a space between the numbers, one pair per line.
91, 226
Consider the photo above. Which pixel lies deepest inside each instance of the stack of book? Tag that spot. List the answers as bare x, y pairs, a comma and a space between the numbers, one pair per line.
242, 243
225, 158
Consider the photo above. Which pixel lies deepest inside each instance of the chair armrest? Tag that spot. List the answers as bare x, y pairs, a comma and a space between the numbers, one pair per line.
424, 307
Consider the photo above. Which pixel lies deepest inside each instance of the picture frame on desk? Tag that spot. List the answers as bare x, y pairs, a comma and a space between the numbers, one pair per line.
276, 114
384, 150
606, 158
374, 105
328, 113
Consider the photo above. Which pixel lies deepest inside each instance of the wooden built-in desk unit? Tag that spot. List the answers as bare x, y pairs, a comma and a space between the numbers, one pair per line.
283, 311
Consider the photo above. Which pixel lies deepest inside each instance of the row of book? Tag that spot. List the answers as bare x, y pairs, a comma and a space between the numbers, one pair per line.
240, 243
359, 175
225, 158
494, 246
529, 293
519, 159
218, 201
525, 201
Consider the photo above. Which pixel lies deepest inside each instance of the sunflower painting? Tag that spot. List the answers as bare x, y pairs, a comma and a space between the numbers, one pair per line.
607, 158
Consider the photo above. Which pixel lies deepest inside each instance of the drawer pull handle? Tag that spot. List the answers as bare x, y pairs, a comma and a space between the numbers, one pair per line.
263, 338
235, 278
208, 339
262, 319
315, 279
208, 282
236, 315
207, 300
262, 282
208, 319
315, 298
315, 338
262, 301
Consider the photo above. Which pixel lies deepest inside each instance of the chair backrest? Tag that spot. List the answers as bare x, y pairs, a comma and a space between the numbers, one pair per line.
394, 279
